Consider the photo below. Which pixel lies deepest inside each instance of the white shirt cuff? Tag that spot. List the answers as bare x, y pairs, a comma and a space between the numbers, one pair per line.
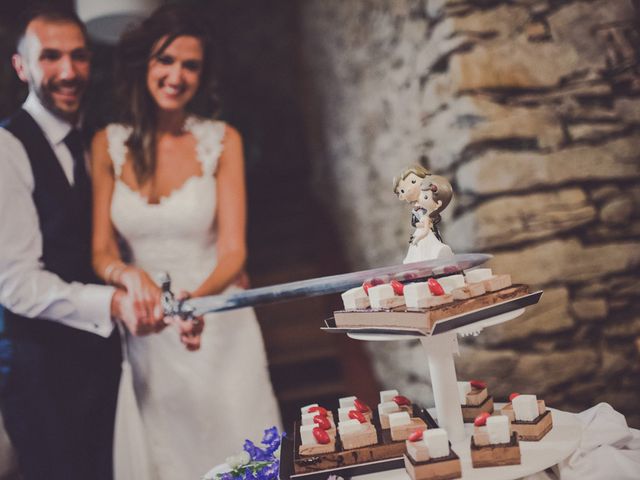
94, 306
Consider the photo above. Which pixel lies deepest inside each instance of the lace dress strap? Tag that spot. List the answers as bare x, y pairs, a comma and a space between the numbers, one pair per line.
117, 135
209, 135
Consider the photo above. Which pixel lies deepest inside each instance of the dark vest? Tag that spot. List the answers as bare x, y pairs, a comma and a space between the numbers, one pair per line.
64, 214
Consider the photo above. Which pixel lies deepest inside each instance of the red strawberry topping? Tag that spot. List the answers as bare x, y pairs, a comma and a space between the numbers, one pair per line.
398, 288
401, 400
323, 422
355, 415
513, 395
481, 419
361, 406
319, 410
416, 436
478, 384
366, 286
321, 435
435, 287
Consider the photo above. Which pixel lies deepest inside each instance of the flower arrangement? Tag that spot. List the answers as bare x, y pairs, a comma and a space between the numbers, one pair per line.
254, 463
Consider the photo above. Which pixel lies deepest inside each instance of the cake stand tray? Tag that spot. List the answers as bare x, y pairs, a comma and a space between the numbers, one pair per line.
468, 320
349, 469
557, 445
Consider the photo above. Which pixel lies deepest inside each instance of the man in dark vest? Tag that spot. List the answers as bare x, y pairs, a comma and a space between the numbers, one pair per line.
60, 353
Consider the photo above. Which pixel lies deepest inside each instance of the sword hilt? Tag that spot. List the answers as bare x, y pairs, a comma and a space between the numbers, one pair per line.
170, 305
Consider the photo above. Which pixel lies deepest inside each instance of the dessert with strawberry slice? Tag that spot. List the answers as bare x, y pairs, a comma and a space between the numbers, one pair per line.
529, 417
385, 296
357, 432
493, 443
474, 399
402, 425
429, 456
314, 440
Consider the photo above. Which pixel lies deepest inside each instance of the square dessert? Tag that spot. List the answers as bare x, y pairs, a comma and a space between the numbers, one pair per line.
493, 444
429, 456
529, 417
474, 399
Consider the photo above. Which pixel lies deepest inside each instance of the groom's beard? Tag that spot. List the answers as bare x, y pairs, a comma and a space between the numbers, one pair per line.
66, 110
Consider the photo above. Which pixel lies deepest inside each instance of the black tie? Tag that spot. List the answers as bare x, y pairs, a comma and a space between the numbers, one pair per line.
73, 141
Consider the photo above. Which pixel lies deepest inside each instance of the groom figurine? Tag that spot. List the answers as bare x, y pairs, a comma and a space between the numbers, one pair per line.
60, 353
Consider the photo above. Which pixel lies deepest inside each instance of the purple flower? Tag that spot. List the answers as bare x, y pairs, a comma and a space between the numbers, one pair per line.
270, 472
271, 436
256, 453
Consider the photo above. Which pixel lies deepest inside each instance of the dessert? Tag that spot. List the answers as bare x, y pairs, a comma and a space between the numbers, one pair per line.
317, 431
474, 399
493, 443
355, 298
384, 296
529, 416
429, 456
353, 404
357, 432
392, 402
402, 425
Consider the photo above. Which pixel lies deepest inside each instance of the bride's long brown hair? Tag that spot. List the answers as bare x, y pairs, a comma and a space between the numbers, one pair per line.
135, 50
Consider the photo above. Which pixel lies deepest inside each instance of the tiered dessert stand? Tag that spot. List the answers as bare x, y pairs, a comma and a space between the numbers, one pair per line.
440, 347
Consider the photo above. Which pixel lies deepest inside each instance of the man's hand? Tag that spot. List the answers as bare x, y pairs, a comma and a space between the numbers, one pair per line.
125, 308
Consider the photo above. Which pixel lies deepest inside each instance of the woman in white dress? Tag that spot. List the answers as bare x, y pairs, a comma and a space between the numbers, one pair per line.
170, 183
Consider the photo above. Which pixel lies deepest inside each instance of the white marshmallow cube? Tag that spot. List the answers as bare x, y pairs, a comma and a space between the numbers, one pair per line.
398, 419
387, 408
478, 275
387, 395
346, 401
463, 389
414, 292
498, 429
306, 408
350, 427
437, 442
451, 282
307, 418
525, 407
355, 298
306, 435
343, 414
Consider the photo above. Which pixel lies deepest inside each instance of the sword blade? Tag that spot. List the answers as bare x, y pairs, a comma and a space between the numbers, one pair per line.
335, 283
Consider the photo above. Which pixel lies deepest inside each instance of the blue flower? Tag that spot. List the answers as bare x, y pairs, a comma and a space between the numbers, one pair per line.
271, 436
256, 453
270, 472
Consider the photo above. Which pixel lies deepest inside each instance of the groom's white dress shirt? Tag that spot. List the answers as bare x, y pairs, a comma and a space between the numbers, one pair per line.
25, 287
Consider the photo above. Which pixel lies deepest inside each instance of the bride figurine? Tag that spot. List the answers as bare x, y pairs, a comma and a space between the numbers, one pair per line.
433, 197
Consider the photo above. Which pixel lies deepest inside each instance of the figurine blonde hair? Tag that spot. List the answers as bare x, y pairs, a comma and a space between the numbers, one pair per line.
418, 170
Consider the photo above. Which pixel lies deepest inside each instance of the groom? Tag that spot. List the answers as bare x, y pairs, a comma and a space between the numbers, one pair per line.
60, 353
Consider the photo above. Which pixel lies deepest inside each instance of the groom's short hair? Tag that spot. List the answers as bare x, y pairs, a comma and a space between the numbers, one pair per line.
51, 13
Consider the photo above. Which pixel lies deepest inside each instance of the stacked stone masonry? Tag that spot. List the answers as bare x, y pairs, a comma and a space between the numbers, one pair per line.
532, 108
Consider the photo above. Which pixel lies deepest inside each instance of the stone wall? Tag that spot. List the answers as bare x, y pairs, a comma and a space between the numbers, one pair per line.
532, 109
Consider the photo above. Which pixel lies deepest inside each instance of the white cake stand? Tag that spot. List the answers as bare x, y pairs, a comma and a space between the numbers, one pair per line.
557, 445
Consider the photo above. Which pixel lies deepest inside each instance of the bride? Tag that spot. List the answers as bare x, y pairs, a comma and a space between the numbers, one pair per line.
169, 184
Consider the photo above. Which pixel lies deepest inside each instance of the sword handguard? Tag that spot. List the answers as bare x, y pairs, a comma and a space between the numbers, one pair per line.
170, 306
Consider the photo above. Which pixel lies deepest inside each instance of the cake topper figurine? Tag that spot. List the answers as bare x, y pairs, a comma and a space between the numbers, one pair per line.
429, 195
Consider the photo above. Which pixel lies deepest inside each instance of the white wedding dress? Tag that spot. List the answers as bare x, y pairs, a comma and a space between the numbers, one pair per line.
180, 412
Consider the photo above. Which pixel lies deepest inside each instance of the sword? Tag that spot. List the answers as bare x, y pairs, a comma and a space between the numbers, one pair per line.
315, 286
